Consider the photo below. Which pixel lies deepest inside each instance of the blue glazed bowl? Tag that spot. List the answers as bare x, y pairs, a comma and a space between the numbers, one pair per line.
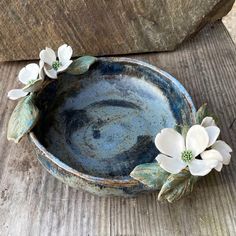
96, 127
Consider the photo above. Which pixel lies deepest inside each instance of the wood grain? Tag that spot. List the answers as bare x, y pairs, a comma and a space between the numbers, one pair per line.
34, 203
101, 27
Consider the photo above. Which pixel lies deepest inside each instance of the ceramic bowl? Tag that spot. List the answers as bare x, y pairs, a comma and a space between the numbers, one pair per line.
96, 127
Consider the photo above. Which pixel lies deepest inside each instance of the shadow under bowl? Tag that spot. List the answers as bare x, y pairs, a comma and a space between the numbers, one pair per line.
96, 127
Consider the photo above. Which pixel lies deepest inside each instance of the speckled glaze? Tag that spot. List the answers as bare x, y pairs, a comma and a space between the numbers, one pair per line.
96, 127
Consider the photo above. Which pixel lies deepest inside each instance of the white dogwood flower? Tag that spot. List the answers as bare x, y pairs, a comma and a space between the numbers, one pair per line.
208, 121
178, 153
32, 76
220, 150
53, 66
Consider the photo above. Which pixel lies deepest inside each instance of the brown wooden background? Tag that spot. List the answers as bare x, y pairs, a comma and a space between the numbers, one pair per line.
32, 202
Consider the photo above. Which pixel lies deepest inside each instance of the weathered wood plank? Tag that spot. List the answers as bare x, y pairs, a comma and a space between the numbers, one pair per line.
34, 203
101, 27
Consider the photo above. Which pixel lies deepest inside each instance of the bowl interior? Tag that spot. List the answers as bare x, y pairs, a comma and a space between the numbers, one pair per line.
103, 123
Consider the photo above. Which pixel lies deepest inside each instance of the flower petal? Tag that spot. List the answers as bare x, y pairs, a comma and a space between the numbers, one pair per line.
28, 73
16, 93
222, 145
224, 150
170, 142
201, 167
208, 121
197, 139
213, 133
51, 73
64, 66
169, 164
41, 71
64, 53
219, 166
211, 155
47, 56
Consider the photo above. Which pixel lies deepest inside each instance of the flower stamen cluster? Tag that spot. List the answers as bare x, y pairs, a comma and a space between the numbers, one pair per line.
200, 150
187, 156
32, 75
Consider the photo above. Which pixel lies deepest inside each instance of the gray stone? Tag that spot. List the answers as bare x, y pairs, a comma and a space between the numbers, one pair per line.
102, 27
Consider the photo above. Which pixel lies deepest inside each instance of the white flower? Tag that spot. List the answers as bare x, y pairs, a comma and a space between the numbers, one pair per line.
208, 121
15, 94
219, 149
32, 76
212, 130
52, 65
176, 154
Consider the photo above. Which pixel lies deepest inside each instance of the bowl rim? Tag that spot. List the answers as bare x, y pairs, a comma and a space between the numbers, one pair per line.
125, 181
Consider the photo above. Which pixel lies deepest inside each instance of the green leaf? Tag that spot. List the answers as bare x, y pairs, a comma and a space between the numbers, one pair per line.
34, 86
182, 129
177, 186
81, 65
201, 113
23, 119
150, 174
178, 128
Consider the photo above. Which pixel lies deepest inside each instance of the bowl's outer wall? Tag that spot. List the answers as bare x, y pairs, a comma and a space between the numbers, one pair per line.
93, 184
98, 185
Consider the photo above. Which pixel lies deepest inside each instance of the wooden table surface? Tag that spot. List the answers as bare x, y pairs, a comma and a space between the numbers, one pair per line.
32, 202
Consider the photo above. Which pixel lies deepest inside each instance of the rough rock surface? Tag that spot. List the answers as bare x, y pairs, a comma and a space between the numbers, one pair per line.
230, 22
102, 27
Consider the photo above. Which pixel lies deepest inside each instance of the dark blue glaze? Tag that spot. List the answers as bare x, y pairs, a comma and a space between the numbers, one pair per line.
102, 124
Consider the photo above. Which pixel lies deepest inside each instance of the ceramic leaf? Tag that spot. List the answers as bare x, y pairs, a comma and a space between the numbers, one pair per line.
23, 119
201, 113
182, 129
81, 65
150, 174
177, 185
35, 86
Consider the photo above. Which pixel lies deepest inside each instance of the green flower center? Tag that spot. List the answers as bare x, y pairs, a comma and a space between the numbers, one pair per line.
187, 156
56, 65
